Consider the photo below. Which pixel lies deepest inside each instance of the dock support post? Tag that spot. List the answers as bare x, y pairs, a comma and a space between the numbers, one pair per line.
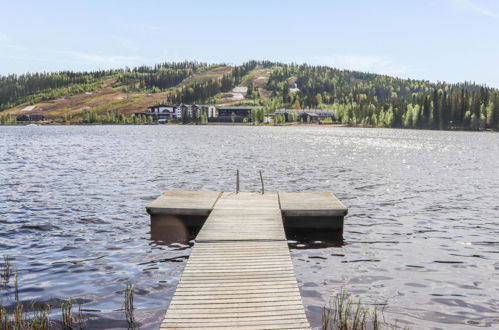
237, 182
261, 179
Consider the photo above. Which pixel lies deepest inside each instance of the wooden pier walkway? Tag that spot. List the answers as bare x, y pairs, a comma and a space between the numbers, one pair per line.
239, 274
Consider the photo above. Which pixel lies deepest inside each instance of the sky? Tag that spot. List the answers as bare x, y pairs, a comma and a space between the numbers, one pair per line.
435, 40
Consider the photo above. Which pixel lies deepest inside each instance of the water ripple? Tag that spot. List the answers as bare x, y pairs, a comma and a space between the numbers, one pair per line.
421, 234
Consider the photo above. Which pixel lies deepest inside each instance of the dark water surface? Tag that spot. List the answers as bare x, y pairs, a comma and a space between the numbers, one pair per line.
422, 233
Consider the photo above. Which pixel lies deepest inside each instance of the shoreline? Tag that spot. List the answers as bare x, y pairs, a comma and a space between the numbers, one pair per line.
250, 124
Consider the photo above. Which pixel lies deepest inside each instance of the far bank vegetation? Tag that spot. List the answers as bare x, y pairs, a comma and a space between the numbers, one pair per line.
360, 99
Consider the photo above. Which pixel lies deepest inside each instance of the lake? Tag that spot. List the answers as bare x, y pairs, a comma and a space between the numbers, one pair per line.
420, 241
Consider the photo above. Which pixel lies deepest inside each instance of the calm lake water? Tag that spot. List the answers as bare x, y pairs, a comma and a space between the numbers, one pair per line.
421, 234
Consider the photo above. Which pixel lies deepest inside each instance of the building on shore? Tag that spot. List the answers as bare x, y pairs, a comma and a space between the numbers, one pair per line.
235, 113
209, 109
160, 111
178, 112
313, 115
28, 118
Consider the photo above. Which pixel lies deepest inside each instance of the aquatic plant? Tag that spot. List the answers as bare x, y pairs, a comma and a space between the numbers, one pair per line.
128, 304
80, 319
36, 318
67, 314
18, 317
347, 314
327, 314
16, 288
5, 271
4, 317
40, 319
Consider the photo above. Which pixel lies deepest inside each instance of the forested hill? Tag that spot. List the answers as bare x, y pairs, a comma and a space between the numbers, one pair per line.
360, 98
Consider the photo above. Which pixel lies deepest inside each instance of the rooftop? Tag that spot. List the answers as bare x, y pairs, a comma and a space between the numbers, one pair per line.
239, 107
318, 111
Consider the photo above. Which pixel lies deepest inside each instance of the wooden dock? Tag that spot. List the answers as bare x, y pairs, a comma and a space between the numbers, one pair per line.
239, 273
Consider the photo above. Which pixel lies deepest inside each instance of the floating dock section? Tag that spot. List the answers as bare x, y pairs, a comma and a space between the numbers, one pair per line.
240, 274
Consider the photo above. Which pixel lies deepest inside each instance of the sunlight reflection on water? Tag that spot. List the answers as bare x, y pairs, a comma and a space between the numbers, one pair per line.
421, 232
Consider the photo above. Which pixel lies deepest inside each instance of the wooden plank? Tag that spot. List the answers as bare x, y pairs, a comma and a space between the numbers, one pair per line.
302, 325
236, 322
235, 266
238, 263
239, 274
271, 293
311, 204
272, 301
238, 310
221, 285
288, 314
208, 304
184, 202
240, 306
232, 323
231, 200
245, 288
230, 281
243, 224
233, 291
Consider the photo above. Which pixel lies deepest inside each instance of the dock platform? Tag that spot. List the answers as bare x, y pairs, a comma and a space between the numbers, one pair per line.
240, 274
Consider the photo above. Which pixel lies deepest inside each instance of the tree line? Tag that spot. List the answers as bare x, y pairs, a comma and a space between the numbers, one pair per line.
35, 87
378, 100
359, 98
153, 81
159, 77
17, 89
203, 91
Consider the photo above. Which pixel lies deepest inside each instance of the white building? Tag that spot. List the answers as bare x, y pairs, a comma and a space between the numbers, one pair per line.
162, 111
168, 112
210, 109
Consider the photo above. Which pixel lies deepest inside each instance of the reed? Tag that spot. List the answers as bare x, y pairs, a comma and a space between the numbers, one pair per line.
4, 317
16, 288
67, 314
21, 316
6, 271
129, 295
376, 323
347, 314
17, 317
80, 319
327, 314
21, 319
40, 319
69, 321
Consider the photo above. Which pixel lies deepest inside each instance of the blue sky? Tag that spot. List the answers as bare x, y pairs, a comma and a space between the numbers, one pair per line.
436, 40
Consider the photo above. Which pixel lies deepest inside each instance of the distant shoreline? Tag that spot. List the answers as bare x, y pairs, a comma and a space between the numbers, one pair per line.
250, 124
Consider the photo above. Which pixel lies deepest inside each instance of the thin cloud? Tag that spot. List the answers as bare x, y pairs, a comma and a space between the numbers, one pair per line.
72, 58
125, 43
5, 37
10, 46
472, 5
102, 59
